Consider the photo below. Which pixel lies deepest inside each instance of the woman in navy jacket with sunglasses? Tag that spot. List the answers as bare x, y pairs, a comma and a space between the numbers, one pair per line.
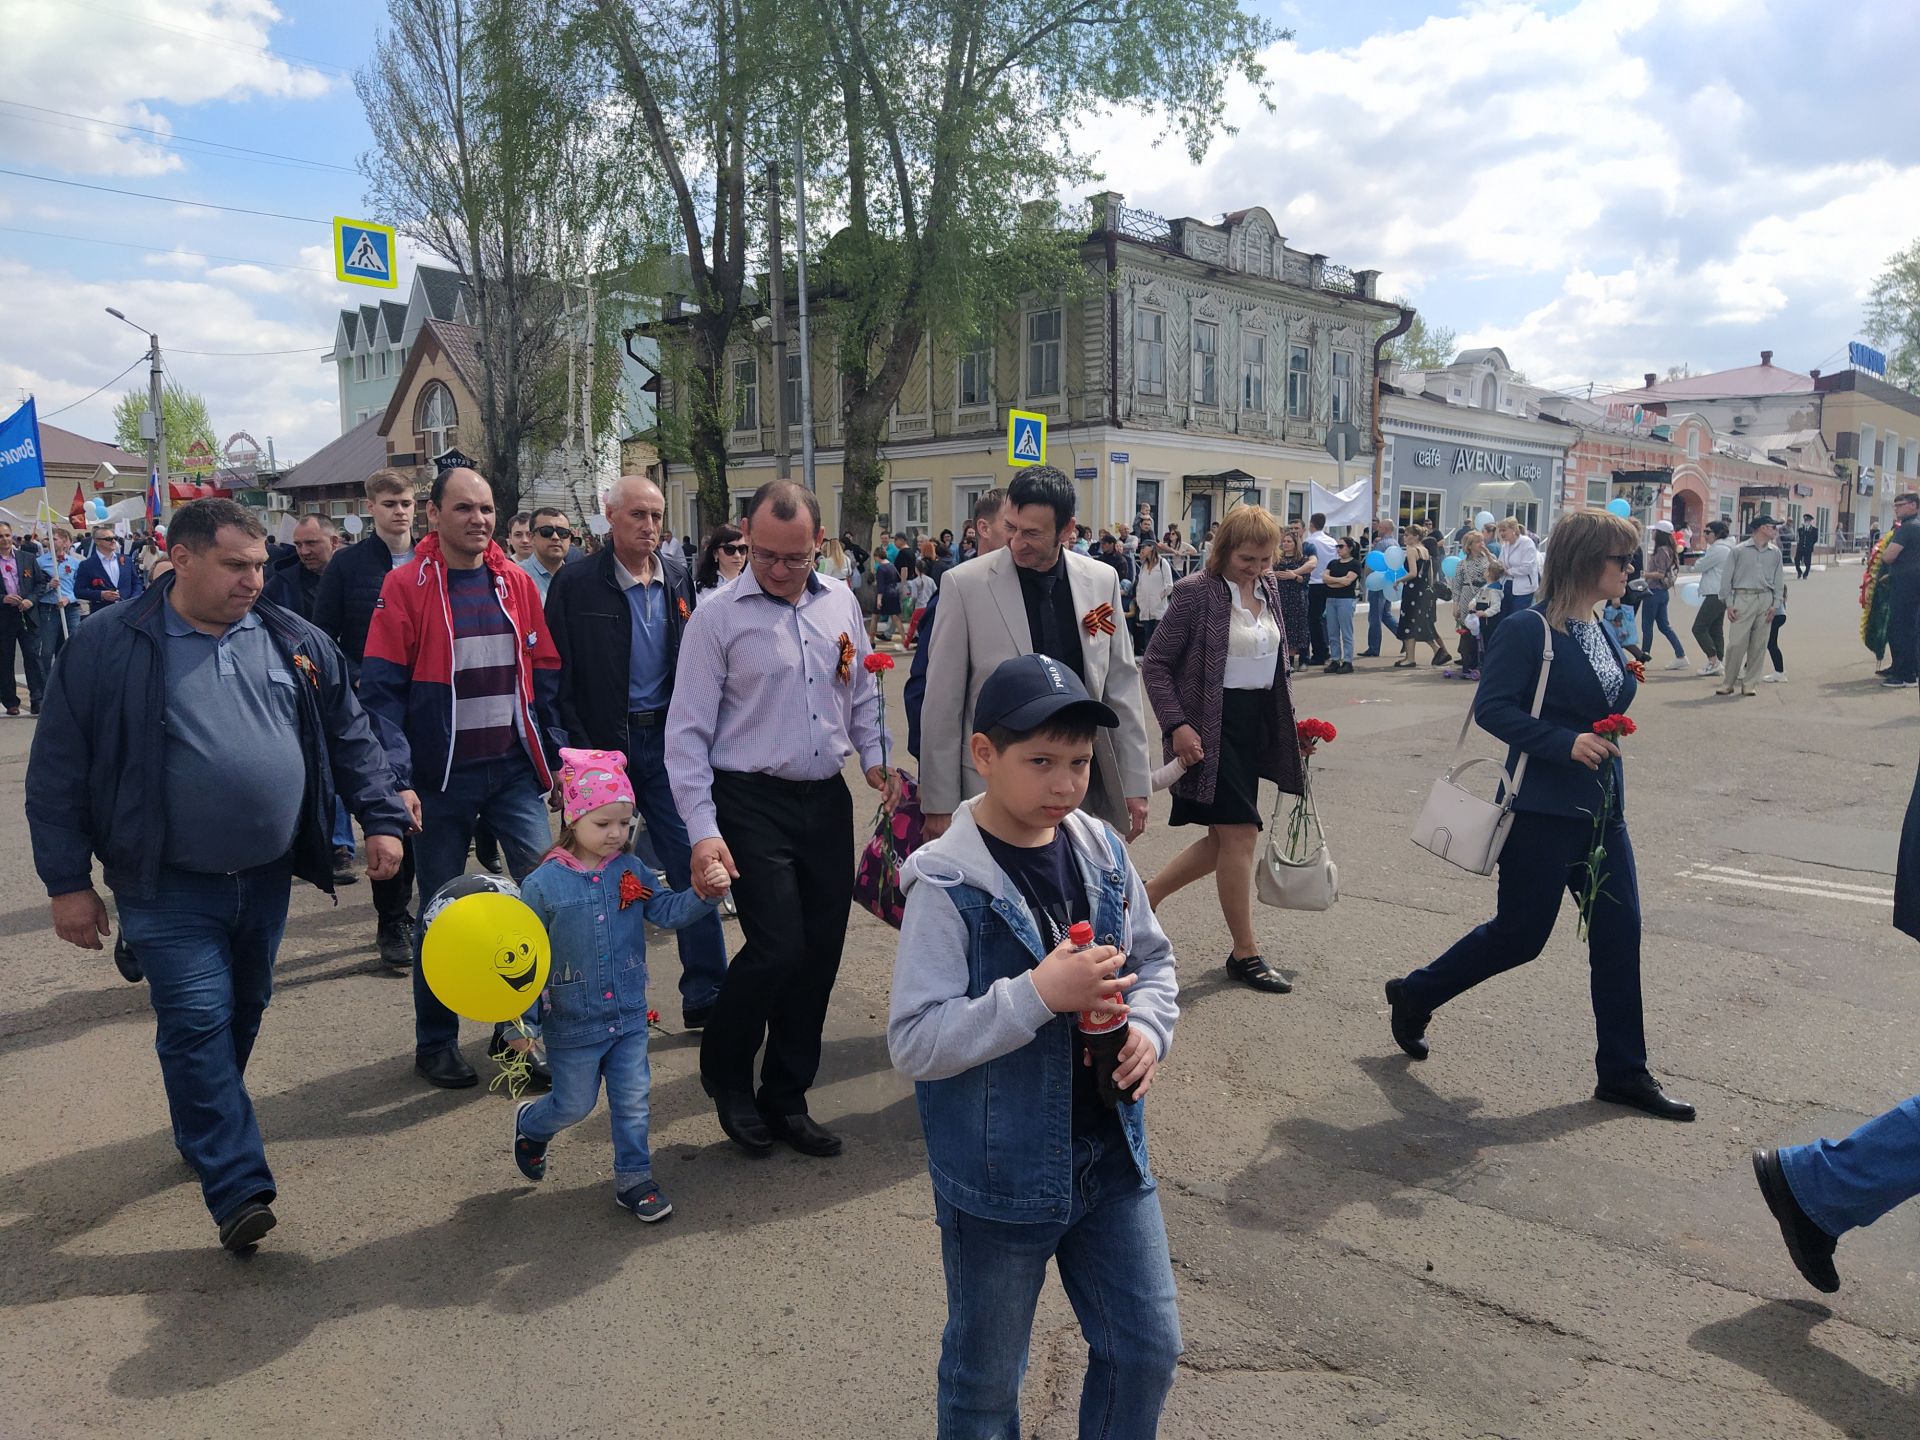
1568, 767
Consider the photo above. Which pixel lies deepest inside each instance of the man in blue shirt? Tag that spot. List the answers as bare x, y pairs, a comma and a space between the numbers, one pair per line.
56, 608
617, 621
209, 731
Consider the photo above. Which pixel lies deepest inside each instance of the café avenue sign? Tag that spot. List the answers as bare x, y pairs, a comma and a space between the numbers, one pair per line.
1479, 462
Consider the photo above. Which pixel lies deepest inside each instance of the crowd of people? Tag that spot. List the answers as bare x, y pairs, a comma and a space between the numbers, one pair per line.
688, 711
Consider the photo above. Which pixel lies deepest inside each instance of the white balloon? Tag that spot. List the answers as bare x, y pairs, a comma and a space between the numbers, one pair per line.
1483, 519
351, 525
1690, 592
598, 524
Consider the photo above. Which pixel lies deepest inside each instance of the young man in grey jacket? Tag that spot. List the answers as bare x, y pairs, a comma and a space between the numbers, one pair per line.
1025, 914
1708, 625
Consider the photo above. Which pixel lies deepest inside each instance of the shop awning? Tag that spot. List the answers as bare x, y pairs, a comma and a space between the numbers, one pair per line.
1490, 490
1763, 492
1223, 483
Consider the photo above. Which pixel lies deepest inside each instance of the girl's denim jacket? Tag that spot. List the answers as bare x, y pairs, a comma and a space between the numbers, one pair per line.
597, 932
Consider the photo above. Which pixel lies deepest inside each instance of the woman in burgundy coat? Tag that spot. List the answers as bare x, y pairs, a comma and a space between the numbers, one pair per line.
1216, 675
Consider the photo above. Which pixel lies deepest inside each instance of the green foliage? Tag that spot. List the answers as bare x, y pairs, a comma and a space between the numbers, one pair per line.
185, 413
1893, 316
1424, 346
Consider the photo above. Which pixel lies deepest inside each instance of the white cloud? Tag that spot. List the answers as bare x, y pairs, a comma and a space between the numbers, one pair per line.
1653, 164
103, 60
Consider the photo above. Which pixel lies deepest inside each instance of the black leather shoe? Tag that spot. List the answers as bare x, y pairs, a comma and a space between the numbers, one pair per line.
802, 1134
740, 1118
1255, 972
695, 1017
395, 942
245, 1227
1645, 1094
343, 871
446, 1068
1809, 1247
1409, 1025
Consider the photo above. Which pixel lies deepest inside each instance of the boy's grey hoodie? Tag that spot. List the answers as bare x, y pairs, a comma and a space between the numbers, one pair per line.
935, 1030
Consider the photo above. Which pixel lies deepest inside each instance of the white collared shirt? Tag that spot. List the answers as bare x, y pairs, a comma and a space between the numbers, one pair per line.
1253, 642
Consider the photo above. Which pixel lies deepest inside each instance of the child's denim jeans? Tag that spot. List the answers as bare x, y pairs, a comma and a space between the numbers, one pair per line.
577, 1071
1112, 1257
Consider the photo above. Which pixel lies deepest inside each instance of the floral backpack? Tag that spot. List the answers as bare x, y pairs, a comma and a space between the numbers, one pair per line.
876, 883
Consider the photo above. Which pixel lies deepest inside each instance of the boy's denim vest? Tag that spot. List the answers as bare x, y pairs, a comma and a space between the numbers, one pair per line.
599, 947
999, 1136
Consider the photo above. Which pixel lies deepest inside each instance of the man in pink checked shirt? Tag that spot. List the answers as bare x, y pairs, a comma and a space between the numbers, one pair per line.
769, 699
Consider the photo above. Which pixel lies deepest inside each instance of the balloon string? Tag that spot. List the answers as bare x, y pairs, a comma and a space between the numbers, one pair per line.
515, 1066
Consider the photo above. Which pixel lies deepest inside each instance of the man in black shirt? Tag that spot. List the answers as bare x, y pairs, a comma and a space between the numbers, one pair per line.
1900, 569
1808, 537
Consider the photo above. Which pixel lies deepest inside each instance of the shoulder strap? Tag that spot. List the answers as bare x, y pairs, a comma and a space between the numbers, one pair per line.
1539, 694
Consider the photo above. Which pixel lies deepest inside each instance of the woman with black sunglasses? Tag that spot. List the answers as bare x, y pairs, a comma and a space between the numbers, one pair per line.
722, 558
1573, 775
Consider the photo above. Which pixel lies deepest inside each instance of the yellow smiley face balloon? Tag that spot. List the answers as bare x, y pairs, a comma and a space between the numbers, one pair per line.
485, 956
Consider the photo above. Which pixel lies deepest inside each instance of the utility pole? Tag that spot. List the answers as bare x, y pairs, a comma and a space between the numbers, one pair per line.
776, 294
806, 348
156, 386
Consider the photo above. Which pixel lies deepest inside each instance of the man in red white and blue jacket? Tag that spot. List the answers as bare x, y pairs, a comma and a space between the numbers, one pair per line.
459, 677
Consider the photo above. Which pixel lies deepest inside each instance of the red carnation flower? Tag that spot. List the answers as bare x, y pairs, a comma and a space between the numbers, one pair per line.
1614, 727
876, 662
1319, 730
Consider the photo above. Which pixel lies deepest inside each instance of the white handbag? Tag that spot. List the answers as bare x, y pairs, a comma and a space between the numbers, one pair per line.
1309, 883
1459, 826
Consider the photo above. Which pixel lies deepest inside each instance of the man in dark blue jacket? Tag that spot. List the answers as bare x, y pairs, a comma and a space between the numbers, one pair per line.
108, 575
206, 730
616, 621
343, 609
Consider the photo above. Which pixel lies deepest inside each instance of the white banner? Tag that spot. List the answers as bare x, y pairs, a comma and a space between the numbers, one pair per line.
1351, 506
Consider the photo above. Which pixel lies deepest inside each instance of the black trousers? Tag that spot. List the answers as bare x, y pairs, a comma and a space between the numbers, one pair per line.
1903, 629
792, 841
1539, 865
14, 638
1803, 562
391, 897
1317, 625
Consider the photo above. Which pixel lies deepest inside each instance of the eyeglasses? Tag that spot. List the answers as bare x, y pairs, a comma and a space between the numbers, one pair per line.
739, 549
554, 532
771, 561
1625, 562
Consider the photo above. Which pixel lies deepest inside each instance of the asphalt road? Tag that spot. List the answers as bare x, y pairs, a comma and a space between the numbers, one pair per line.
1465, 1248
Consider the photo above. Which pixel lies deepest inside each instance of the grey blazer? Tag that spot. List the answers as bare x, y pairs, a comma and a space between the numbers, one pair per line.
983, 622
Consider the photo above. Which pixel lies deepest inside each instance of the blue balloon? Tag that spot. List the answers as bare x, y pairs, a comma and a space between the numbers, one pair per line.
1396, 557
1376, 581
1449, 566
1620, 507
1397, 574
1394, 594
1377, 562
1483, 519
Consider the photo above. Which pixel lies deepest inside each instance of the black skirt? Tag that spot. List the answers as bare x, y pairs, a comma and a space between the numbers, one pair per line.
1236, 791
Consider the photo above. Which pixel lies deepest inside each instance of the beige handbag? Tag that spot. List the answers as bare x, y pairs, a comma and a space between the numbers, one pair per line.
1458, 825
1309, 883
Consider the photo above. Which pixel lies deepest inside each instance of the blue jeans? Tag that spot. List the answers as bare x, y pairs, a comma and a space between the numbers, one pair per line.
1340, 627
507, 796
49, 636
207, 944
703, 945
1379, 613
1112, 1258
577, 1072
342, 825
1653, 616
1844, 1184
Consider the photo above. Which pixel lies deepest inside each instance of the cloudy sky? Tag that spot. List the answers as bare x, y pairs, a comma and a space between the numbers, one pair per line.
1602, 188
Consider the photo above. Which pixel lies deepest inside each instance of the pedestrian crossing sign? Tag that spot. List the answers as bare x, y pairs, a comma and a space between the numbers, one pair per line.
363, 253
1026, 438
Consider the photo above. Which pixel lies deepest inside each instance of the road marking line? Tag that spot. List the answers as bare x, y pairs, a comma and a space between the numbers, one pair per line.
1886, 900
1797, 880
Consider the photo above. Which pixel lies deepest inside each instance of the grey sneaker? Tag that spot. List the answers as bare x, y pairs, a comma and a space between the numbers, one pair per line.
645, 1202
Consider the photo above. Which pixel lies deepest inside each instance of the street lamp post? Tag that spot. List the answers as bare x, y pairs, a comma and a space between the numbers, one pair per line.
157, 446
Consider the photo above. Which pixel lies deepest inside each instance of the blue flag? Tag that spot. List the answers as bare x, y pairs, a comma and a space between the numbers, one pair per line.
20, 467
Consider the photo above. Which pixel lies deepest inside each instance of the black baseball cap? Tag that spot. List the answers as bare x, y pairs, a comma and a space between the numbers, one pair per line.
1027, 692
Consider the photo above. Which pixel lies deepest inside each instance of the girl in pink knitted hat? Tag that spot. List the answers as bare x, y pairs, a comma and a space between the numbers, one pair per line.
596, 901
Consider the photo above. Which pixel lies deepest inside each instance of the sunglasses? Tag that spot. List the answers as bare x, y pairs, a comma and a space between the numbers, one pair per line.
739, 549
1625, 562
554, 532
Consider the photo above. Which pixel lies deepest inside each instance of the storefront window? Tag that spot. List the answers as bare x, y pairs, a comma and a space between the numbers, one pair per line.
1421, 507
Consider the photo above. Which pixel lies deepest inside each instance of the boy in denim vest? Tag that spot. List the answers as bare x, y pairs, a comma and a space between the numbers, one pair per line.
1028, 1162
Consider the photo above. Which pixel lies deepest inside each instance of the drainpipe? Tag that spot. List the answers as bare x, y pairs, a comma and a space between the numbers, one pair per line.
1404, 324
1113, 328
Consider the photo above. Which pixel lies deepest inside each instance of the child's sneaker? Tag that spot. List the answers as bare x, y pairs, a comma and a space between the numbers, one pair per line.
1679, 663
645, 1201
529, 1154
1470, 675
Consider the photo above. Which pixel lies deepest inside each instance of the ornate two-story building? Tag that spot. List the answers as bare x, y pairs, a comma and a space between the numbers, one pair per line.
1198, 367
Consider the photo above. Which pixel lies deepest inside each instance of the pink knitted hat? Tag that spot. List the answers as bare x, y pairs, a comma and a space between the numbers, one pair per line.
590, 779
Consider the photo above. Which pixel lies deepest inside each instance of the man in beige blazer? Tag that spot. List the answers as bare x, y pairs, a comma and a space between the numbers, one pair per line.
1034, 596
